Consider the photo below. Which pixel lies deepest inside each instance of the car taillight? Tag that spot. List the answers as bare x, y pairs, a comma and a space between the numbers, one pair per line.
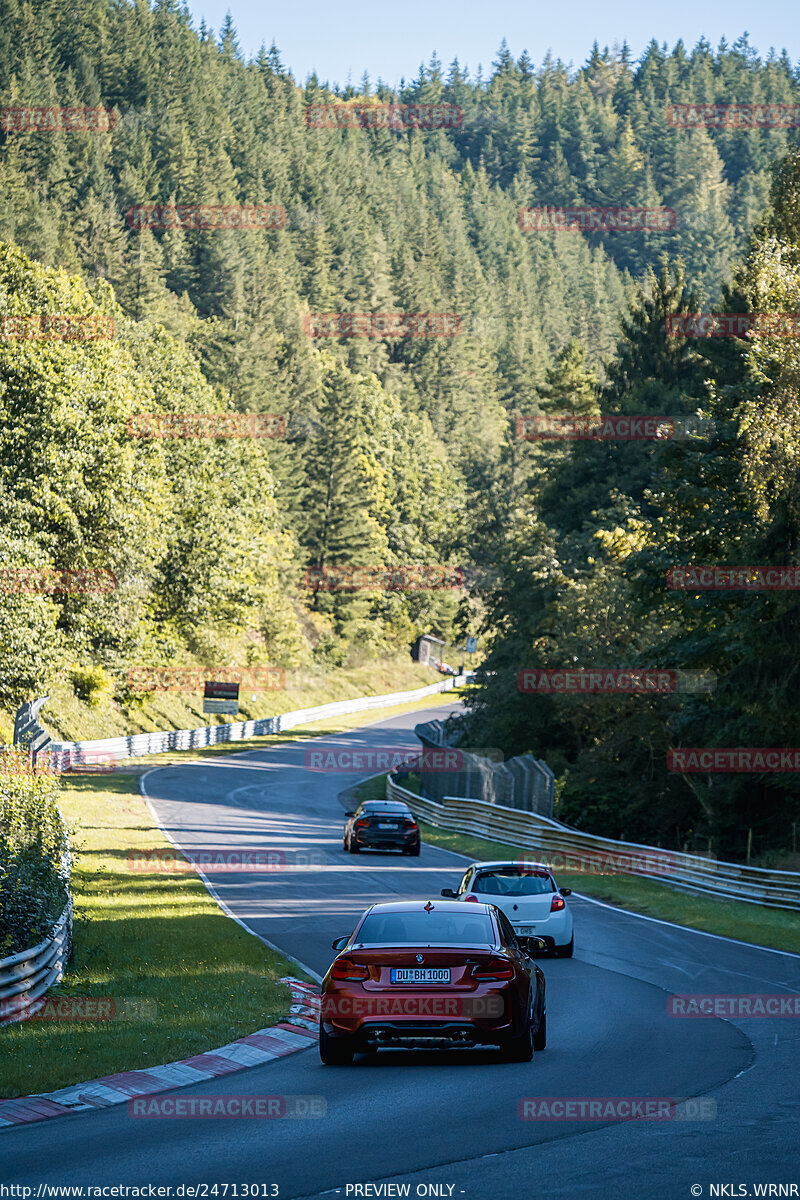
345, 968
557, 903
362, 822
474, 899
411, 823
495, 969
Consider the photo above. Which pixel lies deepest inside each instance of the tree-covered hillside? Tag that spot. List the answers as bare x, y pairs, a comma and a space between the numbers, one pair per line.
587, 580
402, 450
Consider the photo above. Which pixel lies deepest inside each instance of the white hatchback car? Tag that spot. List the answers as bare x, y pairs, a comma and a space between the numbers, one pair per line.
527, 894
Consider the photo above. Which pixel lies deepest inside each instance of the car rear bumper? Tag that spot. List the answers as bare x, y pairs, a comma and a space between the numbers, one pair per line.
377, 1016
433, 1035
369, 839
555, 928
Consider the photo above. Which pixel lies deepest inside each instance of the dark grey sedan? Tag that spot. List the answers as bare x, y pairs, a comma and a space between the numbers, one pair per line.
381, 825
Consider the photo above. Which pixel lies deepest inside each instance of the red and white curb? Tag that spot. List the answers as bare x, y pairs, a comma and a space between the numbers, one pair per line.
298, 1030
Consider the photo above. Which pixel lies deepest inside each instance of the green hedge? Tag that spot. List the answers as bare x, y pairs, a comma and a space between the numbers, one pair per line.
33, 839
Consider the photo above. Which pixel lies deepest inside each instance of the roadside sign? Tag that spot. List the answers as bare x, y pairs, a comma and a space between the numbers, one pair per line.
221, 698
472, 645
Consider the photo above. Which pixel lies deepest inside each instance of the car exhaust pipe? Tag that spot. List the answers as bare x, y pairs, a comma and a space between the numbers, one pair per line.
386, 1037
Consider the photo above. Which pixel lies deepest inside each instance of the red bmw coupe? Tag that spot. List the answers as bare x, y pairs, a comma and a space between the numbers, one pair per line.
435, 974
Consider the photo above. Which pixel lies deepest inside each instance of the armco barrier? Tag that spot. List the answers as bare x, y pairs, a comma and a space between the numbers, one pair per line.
754, 885
66, 755
26, 976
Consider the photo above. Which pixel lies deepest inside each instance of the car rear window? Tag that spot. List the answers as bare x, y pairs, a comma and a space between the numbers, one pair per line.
385, 812
427, 929
511, 882
396, 813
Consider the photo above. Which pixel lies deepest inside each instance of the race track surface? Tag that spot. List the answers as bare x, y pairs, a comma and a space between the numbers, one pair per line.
451, 1119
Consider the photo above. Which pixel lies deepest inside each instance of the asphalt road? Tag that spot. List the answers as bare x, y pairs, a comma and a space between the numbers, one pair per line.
451, 1120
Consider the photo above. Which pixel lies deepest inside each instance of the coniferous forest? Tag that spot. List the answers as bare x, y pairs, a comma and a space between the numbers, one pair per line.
406, 450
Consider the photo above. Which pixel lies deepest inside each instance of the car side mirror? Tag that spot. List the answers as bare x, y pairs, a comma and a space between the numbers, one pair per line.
449, 892
349, 814
340, 942
566, 891
537, 944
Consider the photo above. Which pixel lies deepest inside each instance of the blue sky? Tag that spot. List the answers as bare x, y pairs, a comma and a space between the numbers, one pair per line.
340, 39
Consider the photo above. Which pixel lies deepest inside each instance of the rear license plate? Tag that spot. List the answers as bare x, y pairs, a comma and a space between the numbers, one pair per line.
525, 929
420, 975
386, 825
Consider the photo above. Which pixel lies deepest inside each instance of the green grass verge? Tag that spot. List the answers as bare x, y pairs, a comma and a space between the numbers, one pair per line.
372, 789
197, 978
775, 927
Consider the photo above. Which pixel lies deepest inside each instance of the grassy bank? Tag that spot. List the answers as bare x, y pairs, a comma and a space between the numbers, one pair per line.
183, 977
68, 718
775, 927
310, 729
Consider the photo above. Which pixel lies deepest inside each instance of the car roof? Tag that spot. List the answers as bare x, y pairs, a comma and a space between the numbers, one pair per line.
419, 905
511, 862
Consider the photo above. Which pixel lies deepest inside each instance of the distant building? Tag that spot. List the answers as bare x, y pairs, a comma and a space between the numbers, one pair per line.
428, 650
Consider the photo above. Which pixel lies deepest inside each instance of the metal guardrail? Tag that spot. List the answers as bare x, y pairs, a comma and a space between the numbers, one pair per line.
586, 852
65, 755
26, 977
